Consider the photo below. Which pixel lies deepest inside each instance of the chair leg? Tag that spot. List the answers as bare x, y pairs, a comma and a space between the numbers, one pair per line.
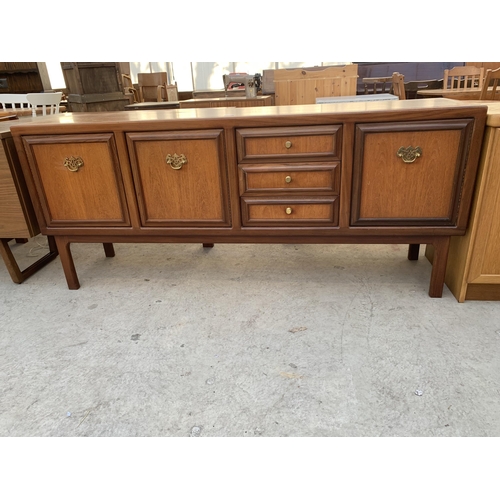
18, 275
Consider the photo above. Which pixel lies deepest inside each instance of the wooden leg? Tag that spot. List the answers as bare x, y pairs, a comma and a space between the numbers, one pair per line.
67, 263
15, 272
441, 247
413, 251
208, 245
22, 240
109, 249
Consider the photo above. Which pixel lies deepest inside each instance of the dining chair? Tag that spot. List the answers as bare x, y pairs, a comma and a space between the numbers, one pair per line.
128, 87
48, 101
377, 85
398, 86
17, 102
489, 89
152, 86
462, 77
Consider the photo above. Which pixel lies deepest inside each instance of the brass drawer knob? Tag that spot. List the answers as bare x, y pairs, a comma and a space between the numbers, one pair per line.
73, 163
288, 179
409, 154
176, 161
288, 211
288, 144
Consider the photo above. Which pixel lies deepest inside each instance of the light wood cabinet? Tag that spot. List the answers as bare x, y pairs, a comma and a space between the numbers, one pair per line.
330, 173
17, 216
473, 271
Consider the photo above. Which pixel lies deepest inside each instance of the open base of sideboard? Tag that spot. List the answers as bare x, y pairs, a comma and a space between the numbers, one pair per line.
440, 244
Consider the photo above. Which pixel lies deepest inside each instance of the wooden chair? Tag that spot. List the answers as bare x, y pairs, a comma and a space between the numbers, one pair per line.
398, 86
48, 101
152, 87
489, 89
128, 87
17, 102
462, 77
377, 85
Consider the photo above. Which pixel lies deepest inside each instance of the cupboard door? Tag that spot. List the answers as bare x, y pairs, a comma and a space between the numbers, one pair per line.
180, 177
78, 179
409, 173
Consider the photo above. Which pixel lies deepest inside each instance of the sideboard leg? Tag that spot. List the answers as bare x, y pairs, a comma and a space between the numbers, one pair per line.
413, 251
208, 245
441, 247
68, 265
109, 250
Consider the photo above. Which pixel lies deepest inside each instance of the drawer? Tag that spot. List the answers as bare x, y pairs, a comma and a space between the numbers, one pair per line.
78, 179
290, 211
409, 173
285, 143
287, 178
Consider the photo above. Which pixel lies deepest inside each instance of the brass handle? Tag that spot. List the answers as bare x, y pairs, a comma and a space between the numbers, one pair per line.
288, 144
409, 154
288, 211
73, 163
288, 179
176, 161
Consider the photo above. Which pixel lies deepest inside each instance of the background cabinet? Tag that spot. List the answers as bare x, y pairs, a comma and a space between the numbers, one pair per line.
473, 271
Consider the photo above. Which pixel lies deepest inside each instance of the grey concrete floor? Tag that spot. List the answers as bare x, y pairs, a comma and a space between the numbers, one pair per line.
244, 340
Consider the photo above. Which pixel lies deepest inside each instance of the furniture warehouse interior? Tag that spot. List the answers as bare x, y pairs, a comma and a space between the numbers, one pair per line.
339, 153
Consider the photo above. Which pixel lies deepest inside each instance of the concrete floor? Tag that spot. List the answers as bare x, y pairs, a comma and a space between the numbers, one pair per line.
244, 340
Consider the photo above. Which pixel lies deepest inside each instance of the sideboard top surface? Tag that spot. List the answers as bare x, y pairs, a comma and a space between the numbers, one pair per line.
311, 113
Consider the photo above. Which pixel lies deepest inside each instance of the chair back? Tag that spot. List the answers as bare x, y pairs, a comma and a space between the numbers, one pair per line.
491, 81
48, 101
152, 86
377, 85
15, 101
398, 86
463, 77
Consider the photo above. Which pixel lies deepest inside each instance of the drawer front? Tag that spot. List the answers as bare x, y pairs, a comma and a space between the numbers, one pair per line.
290, 211
409, 173
78, 179
286, 143
286, 178
180, 177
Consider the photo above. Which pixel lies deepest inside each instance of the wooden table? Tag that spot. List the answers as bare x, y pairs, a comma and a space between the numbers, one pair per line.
152, 105
227, 102
462, 95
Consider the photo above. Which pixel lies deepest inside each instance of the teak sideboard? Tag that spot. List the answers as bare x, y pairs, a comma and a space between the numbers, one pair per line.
377, 172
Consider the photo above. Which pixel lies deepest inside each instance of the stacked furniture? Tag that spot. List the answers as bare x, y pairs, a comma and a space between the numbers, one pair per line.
94, 86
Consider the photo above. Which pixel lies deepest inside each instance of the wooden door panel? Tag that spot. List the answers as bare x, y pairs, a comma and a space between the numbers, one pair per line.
194, 192
424, 189
88, 194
